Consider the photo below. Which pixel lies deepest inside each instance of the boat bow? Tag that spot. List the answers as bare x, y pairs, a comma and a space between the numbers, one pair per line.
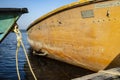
8, 18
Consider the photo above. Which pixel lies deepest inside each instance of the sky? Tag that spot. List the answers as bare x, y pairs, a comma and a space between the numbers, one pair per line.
36, 8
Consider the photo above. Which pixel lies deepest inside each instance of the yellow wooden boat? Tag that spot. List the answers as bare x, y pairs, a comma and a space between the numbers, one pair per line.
84, 33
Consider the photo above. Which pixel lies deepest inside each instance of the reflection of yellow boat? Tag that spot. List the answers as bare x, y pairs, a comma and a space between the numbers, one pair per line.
85, 34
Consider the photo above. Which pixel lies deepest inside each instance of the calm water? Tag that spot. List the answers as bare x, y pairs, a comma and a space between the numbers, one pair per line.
7, 58
44, 68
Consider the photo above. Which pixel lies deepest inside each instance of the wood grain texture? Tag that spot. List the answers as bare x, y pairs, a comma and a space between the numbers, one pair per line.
91, 42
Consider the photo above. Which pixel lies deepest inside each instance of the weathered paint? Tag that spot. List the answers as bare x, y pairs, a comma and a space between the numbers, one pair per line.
91, 42
109, 4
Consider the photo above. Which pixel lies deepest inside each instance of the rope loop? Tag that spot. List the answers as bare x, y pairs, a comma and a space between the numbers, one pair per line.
20, 43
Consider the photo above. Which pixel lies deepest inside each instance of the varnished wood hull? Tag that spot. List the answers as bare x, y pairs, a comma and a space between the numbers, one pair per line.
83, 34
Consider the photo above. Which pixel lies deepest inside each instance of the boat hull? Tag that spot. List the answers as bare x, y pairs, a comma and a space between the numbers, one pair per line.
85, 35
8, 18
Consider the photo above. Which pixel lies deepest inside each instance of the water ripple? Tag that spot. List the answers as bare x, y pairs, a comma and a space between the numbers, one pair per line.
7, 58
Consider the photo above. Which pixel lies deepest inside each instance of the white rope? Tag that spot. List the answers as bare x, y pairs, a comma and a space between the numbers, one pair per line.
17, 69
28, 61
19, 42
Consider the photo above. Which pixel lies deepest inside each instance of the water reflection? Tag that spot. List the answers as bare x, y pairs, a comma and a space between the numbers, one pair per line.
49, 69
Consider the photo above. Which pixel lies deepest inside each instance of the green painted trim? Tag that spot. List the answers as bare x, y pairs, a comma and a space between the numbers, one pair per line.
7, 22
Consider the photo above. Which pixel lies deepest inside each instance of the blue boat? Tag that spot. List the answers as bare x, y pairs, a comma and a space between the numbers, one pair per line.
8, 19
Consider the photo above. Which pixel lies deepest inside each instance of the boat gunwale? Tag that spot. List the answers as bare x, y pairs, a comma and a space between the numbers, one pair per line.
61, 9
20, 10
